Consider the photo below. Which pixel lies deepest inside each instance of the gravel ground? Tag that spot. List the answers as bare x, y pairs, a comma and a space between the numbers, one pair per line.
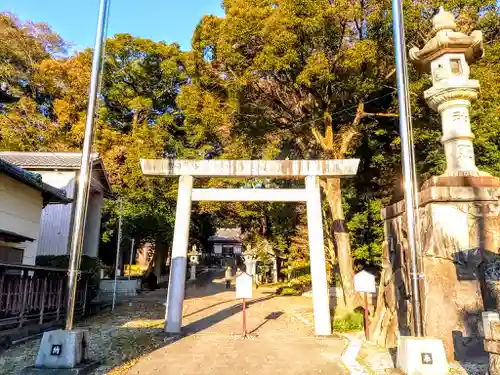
115, 339
131, 340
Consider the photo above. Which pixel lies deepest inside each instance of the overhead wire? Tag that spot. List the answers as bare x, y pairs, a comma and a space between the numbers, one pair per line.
351, 108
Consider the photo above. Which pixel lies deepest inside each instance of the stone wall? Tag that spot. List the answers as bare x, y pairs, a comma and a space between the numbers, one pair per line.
492, 341
460, 238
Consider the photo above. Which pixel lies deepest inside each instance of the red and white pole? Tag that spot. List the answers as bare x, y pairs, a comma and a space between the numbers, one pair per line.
244, 318
367, 322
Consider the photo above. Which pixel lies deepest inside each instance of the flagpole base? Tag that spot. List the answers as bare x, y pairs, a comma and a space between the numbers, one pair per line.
83, 368
421, 355
62, 352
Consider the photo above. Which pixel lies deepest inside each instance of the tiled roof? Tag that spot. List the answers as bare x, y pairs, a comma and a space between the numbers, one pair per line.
69, 160
56, 160
226, 235
50, 193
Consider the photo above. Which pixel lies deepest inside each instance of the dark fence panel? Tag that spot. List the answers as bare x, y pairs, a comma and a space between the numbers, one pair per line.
36, 295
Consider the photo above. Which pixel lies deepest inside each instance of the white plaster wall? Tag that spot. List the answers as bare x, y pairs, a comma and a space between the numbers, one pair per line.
93, 224
20, 211
64, 180
56, 219
217, 248
123, 287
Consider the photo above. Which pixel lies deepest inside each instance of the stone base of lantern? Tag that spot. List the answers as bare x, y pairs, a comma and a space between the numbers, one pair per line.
460, 238
475, 179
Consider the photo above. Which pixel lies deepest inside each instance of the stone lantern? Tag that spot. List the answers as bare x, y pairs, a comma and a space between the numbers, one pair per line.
193, 262
459, 211
250, 261
447, 57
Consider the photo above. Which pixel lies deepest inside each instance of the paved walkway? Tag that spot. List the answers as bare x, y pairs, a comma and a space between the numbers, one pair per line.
280, 342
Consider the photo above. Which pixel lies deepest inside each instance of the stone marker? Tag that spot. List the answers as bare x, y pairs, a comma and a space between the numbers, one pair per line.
62, 352
421, 355
62, 349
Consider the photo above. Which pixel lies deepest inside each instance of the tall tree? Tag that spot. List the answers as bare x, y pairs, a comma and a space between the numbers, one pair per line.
276, 69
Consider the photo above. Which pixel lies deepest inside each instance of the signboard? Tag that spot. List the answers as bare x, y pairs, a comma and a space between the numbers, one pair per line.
244, 286
364, 282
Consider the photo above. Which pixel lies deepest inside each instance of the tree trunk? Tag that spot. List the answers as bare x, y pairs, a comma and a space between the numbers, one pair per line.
341, 236
161, 254
384, 324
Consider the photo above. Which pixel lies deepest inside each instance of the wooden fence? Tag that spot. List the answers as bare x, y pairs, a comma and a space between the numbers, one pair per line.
36, 295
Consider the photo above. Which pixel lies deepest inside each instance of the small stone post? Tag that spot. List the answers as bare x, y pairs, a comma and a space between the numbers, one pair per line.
193, 262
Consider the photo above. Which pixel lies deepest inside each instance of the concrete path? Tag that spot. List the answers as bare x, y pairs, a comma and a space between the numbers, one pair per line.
280, 342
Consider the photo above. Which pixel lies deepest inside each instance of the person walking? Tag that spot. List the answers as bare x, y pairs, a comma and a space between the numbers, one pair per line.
228, 277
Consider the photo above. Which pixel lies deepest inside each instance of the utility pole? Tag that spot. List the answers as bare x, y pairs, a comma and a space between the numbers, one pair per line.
408, 157
84, 176
117, 258
131, 256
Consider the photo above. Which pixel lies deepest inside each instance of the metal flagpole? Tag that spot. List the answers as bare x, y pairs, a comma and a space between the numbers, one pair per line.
131, 256
405, 129
117, 259
84, 178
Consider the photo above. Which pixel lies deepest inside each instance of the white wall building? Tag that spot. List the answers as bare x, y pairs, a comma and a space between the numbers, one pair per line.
23, 196
226, 242
61, 169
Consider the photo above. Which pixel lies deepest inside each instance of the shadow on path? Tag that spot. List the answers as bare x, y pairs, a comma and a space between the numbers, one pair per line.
273, 316
207, 284
207, 308
219, 316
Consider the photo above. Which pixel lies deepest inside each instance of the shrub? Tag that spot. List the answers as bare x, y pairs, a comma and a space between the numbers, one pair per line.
352, 321
288, 291
301, 283
88, 264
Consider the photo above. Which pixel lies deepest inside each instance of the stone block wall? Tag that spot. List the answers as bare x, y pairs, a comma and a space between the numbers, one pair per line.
492, 341
459, 268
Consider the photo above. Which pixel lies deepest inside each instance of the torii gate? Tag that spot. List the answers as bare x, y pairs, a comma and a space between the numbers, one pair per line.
310, 170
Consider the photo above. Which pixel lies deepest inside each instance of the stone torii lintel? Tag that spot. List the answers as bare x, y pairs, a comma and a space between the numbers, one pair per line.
250, 168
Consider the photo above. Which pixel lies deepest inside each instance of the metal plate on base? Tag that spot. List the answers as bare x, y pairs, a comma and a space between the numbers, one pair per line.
83, 368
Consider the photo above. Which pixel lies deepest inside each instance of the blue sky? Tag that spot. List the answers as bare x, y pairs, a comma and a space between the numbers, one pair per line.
168, 20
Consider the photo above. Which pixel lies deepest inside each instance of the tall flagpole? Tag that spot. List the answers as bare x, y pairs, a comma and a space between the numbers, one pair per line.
84, 178
410, 184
